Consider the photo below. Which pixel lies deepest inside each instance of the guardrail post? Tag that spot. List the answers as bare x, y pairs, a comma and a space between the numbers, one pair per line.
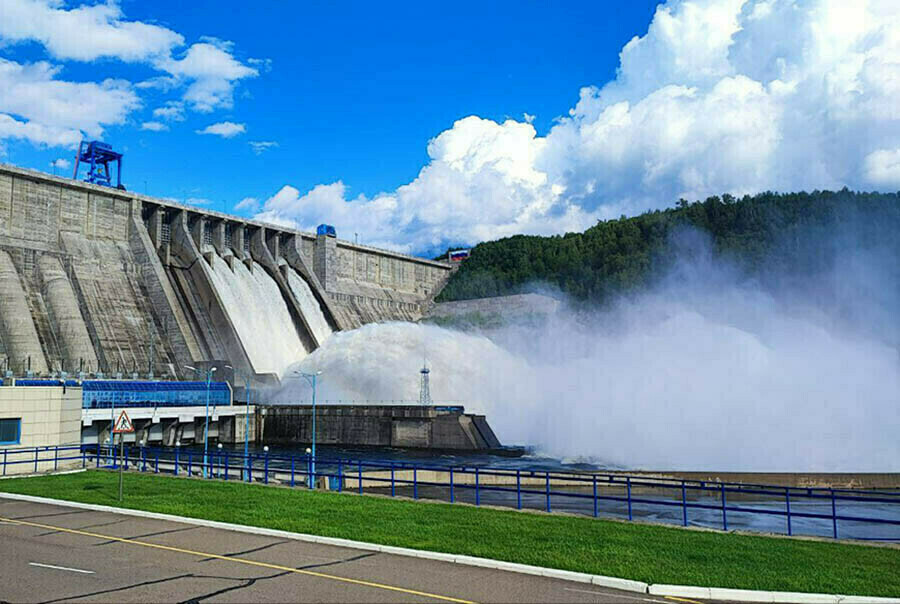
157, 462
340, 476
143, 459
359, 478
55, 458
834, 514
97, 458
477, 489
683, 504
292, 470
309, 476
226, 465
392, 479
4, 461
176, 461
724, 508
249, 461
518, 489
548, 492
415, 482
628, 489
787, 503
451, 485
36, 461
83, 458
596, 509
190, 463
266, 471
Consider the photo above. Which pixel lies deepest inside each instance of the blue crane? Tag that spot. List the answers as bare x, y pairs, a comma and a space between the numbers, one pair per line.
99, 155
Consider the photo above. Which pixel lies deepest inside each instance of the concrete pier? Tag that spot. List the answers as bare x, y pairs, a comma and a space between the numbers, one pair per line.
401, 426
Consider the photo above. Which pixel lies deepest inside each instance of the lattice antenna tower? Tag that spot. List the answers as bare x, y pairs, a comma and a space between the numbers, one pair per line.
424, 387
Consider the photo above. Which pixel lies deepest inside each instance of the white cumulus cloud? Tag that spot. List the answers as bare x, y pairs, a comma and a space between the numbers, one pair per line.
213, 72
61, 164
154, 126
261, 146
718, 96
37, 106
882, 167
224, 129
251, 204
85, 33
204, 74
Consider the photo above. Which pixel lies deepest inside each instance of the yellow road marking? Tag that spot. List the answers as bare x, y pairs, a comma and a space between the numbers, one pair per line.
677, 599
239, 560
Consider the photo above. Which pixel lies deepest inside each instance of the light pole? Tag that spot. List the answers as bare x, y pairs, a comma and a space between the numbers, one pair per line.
209, 373
311, 378
246, 377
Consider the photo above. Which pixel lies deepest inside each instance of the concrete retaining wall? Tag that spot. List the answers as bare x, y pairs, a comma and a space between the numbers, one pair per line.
403, 426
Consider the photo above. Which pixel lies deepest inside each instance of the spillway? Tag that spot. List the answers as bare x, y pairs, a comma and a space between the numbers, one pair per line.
259, 314
312, 310
16, 324
65, 315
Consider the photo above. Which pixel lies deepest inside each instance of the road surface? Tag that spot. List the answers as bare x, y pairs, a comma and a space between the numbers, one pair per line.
51, 553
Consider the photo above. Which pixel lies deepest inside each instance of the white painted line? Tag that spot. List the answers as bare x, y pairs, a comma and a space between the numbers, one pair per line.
71, 570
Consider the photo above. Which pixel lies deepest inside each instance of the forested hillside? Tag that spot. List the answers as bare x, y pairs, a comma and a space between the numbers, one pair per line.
799, 234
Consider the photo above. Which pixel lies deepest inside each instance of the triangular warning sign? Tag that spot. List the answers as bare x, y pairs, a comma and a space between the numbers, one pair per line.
123, 424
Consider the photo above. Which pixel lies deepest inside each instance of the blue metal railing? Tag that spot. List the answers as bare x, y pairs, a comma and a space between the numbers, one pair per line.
691, 501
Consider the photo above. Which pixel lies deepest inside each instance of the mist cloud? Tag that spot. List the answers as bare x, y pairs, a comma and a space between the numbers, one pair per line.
707, 370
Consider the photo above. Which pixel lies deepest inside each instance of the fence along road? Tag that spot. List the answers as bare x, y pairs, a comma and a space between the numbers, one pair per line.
836, 513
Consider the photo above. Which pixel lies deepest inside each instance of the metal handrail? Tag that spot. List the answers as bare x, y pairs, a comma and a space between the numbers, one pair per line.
305, 470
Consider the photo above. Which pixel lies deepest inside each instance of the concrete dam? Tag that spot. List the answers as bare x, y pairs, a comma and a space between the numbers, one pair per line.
101, 281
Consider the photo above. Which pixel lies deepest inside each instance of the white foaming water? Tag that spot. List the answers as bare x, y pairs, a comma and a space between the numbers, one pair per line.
724, 379
259, 314
309, 305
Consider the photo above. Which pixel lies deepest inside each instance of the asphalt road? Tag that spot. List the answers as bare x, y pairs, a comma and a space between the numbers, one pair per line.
51, 553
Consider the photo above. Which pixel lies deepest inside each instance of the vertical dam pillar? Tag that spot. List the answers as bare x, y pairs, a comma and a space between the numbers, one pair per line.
16, 324
324, 259
65, 316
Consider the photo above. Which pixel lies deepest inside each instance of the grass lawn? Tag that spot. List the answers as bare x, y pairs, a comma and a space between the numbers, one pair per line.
654, 554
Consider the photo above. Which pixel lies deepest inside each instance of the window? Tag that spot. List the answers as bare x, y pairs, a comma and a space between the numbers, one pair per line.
10, 431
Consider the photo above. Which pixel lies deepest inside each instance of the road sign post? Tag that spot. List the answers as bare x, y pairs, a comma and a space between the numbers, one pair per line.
122, 426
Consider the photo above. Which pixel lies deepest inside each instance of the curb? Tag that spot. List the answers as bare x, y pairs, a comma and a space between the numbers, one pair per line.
677, 591
33, 475
749, 595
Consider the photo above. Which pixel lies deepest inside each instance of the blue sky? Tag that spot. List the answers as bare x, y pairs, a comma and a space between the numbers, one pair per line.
420, 125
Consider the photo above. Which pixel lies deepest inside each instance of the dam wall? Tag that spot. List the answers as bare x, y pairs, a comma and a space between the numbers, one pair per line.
96, 280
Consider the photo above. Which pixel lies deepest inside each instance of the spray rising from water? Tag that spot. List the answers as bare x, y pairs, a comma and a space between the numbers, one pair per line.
706, 372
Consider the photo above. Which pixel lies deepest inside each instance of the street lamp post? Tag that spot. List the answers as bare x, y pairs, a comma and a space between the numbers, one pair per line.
311, 378
209, 373
246, 418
